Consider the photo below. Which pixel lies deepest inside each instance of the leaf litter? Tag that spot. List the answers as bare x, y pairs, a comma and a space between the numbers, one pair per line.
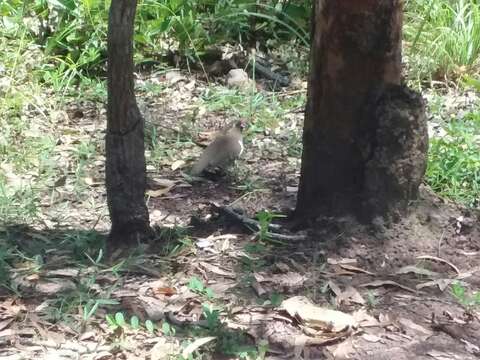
301, 298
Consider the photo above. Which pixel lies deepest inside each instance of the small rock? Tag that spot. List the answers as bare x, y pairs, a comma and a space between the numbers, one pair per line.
174, 76
237, 78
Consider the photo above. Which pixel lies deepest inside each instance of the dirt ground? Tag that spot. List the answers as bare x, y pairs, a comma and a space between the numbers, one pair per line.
394, 285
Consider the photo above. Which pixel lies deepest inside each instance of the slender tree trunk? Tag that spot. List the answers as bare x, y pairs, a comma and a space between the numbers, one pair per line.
125, 149
365, 135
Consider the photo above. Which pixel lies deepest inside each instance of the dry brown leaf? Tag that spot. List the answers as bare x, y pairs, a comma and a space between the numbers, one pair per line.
380, 283
252, 317
342, 350
54, 286
32, 277
164, 349
177, 164
221, 288
12, 307
5, 323
154, 308
441, 283
225, 245
204, 243
418, 329
347, 296
217, 270
92, 181
259, 289
158, 192
281, 282
355, 269
165, 183
351, 295
282, 267
364, 319
196, 344
440, 355
316, 316
341, 261
166, 291
416, 270
371, 338
68, 272
440, 260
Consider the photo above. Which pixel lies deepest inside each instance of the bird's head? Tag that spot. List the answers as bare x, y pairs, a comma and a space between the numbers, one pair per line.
240, 125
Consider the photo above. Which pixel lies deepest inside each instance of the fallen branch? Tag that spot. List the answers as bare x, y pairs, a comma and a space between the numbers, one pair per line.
247, 222
284, 237
254, 226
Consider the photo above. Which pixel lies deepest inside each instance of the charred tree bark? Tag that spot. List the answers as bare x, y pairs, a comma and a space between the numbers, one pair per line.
125, 148
365, 135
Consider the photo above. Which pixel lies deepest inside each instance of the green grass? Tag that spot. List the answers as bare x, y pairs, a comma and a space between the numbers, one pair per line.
262, 110
442, 39
454, 160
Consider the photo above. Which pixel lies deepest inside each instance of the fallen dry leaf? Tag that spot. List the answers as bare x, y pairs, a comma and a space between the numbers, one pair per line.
380, 283
196, 344
177, 164
281, 282
411, 269
5, 323
341, 261
158, 192
166, 291
164, 349
364, 319
67, 272
217, 270
440, 355
342, 350
355, 269
371, 338
440, 260
418, 329
317, 317
345, 297
163, 182
441, 283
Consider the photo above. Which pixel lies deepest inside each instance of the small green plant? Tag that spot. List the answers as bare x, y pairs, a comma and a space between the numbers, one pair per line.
197, 286
454, 161
91, 307
118, 321
262, 347
372, 300
167, 329
276, 299
468, 301
442, 38
265, 218
212, 316
254, 262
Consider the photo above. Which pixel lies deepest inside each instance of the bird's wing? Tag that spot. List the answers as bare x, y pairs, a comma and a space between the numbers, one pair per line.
215, 154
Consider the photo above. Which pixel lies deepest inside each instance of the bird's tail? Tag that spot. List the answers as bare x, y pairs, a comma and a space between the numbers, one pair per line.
200, 165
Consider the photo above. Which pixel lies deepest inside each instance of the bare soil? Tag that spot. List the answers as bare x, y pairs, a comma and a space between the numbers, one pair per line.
396, 281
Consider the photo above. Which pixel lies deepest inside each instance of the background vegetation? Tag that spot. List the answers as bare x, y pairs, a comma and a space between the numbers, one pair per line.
54, 54
58, 47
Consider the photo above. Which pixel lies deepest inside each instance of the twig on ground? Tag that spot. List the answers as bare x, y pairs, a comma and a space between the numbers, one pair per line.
254, 226
249, 223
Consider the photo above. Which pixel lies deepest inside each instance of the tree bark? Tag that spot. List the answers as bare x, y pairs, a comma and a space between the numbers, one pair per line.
125, 148
365, 135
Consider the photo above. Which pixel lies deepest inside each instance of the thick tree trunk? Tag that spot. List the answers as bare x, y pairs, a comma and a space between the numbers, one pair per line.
125, 152
365, 135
